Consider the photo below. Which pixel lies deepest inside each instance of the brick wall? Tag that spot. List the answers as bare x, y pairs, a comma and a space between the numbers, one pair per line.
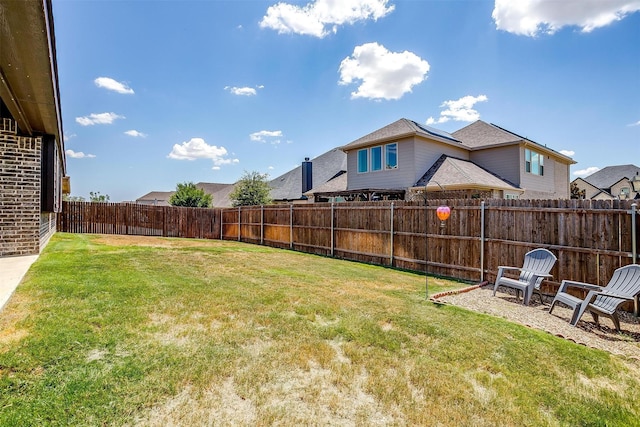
19, 191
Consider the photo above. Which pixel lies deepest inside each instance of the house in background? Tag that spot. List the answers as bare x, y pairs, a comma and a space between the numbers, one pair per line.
611, 182
219, 192
295, 186
33, 167
479, 160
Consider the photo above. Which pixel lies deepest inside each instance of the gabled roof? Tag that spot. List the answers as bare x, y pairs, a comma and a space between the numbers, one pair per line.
324, 167
337, 183
158, 198
219, 192
157, 195
480, 135
401, 129
606, 177
451, 173
586, 183
212, 187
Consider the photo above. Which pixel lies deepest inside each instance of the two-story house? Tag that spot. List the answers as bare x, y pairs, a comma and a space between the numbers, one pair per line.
611, 182
479, 160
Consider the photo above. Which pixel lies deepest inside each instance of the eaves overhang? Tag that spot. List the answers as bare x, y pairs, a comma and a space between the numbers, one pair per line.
526, 143
28, 69
394, 138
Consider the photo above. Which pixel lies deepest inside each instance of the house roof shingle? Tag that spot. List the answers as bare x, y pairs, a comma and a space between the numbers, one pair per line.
451, 173
480, 134
608, 176
324, 167
400, 129
337, 183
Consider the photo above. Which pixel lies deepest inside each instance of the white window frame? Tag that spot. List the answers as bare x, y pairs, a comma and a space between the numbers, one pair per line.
368, 159
533, 162
386, 156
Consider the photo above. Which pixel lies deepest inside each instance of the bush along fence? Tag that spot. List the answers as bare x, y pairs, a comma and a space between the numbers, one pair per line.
590, 238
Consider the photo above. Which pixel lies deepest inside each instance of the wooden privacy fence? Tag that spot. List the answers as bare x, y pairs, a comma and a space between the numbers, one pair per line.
590, 238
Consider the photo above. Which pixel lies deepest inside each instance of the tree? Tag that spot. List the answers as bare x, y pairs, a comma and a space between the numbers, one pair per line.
576, 193
252, 189
98, 198
190, 196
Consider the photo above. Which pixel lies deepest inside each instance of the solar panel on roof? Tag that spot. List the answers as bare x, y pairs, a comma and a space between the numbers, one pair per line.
434, 131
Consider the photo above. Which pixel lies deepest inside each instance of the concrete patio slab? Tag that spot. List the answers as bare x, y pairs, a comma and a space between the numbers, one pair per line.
12, 270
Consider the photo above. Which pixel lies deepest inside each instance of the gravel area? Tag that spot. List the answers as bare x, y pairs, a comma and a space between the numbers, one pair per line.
536, 315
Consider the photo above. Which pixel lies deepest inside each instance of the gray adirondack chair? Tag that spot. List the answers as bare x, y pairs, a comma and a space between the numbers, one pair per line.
601, 301
536, 267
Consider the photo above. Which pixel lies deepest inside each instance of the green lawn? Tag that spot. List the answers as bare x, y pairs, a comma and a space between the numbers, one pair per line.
109, 330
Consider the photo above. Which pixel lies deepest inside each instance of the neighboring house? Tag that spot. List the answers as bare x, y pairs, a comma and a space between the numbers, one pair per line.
479, 160
219, 192
298, 184
295, 186
611, 182
155, 198
33, 166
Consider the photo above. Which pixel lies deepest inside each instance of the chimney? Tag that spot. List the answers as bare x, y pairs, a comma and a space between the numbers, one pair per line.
307, 175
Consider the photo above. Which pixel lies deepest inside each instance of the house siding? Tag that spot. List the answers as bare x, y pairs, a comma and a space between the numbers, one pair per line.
563, 190
19, 192
415, 157
398, 178
427, 152
589, 190
503, 161
542, 187
616, 189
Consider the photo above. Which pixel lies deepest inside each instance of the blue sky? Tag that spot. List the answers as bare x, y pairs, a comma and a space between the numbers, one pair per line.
156, 93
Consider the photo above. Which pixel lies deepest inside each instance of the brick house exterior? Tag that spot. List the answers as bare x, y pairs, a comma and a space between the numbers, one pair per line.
32, 160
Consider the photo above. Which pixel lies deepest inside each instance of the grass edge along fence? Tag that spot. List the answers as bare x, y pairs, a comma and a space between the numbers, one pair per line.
590, 238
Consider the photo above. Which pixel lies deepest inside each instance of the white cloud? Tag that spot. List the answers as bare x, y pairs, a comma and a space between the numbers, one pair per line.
243, 91
315, 18
271, 168
98, 119
532, 17
263, 136
586, 172
568, 153
635, 124
114, 85
197, 148
78, 155
135, 133
382, 74
460, 110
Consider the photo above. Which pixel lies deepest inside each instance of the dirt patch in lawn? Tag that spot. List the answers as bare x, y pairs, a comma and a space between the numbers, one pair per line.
151, 241
536, 315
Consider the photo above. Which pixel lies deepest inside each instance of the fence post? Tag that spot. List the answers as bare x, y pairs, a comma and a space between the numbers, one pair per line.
332, 228
239, 223
262, 224
636, 300
482, 241
633, 232
391, 256
291, 226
